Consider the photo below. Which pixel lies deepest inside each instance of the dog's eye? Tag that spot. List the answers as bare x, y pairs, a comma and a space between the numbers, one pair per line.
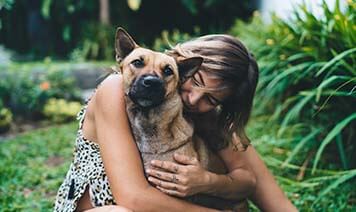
138, 63
167, 71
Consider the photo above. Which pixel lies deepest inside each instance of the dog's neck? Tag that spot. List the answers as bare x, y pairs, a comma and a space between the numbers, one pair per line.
160, 129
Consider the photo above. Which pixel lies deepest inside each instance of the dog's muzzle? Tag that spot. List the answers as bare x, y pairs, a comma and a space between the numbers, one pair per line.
147, 91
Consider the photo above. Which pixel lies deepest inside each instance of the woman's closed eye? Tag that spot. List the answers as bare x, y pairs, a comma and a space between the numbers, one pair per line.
212, 101
196, 82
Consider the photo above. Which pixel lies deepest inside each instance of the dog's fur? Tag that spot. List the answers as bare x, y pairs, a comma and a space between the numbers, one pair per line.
156, 116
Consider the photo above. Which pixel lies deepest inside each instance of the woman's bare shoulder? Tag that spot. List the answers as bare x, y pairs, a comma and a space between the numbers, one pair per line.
110, 94
112, 84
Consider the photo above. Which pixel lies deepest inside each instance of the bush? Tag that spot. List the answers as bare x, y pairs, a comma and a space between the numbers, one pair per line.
60, 110
308, 78
170, 39
5, 118
307, 82
25, 88
98, 43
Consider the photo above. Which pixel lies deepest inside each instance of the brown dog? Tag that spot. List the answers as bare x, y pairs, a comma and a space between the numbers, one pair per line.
155, 109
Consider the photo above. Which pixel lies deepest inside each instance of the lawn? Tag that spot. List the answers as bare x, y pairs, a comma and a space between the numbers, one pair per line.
33, 165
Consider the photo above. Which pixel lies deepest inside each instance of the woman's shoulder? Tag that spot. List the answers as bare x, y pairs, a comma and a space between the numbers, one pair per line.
111, 88
114, 82
109, 95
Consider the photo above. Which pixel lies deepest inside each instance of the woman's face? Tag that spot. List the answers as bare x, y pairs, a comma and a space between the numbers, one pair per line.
199, 100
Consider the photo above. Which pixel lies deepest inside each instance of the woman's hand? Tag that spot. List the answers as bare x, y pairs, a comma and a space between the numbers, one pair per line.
181, 179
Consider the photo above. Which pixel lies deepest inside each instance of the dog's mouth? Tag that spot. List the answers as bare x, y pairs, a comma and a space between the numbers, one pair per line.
147, 92
145, 102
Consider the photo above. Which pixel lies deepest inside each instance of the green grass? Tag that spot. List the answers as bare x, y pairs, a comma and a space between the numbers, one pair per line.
329, 189
33, 165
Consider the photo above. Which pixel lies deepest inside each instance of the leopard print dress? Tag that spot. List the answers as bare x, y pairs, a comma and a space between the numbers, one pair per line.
85, 171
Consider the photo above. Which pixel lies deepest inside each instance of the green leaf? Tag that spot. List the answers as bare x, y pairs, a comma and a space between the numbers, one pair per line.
46, 7
287, 72
334, 132
298, 56
7, 4
66, 33
300, 145
191, 6
335, 60
335, 184
295, 111
329, 81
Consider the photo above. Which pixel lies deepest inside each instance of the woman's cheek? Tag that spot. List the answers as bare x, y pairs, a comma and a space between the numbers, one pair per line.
203, 108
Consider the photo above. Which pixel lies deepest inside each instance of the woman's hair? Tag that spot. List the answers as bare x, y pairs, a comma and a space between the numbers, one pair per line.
227, 58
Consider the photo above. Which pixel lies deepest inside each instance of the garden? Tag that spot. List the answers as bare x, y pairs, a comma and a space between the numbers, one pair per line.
304, 119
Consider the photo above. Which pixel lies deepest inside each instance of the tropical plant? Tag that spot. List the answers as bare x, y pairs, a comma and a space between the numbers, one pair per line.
308, 79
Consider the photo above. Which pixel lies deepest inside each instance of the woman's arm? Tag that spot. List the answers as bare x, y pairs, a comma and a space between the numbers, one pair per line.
240, 181
268, 196
121, 158
192, 178
248, 175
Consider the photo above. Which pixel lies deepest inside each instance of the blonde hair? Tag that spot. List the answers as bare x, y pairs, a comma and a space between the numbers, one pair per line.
226, 58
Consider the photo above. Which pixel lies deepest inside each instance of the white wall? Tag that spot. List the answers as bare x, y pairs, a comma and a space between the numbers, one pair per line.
283, 7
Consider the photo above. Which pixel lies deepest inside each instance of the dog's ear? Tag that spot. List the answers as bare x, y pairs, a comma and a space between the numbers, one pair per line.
124, 44
188, 67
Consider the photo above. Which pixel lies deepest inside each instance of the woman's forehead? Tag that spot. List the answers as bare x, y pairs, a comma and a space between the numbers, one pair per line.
214, 84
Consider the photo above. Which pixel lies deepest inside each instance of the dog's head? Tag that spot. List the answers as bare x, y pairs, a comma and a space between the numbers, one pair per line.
150, 77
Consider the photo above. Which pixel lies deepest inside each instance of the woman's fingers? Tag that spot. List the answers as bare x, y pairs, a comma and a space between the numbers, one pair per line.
183, 159
164, 176
165, 184
166, 165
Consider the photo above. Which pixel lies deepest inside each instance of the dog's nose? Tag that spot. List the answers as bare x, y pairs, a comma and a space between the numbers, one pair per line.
151, 81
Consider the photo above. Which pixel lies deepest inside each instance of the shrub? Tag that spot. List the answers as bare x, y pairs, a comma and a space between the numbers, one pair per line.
308, 78
25, 88
169, 39
60, 110
5, 118
97, 43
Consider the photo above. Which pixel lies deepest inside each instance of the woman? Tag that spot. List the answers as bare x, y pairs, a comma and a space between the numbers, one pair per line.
221, 92
228, 68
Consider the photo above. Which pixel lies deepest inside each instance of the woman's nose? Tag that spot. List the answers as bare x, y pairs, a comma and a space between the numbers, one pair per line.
194, 96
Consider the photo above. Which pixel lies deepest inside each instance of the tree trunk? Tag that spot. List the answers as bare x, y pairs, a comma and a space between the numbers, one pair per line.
104, 12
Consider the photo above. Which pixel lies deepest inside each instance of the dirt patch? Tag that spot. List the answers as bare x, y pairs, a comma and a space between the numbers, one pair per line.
54, 161
21, 126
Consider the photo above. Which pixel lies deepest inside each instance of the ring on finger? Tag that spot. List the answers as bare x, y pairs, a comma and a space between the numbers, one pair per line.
174, 178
